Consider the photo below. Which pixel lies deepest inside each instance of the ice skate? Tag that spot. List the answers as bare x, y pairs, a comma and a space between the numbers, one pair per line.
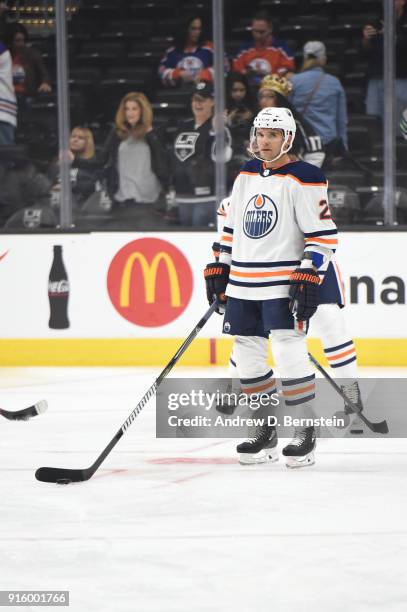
300, 451
262, 448
352, 391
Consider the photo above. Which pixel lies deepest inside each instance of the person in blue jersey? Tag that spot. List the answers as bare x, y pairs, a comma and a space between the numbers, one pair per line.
190, 59
268, 281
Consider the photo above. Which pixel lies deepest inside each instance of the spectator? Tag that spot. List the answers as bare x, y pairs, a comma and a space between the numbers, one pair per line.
240, 108
85, 168
321, 99
274, 91
191, 58
239, 100
135, 157
372, 43
193, 167
265, 54
8, 104
30, 77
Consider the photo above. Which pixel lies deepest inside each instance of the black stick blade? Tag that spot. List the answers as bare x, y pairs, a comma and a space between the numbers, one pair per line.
25, 413
381, 427
61, 475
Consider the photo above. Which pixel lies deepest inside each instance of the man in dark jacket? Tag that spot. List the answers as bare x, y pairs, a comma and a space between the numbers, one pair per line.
193, 160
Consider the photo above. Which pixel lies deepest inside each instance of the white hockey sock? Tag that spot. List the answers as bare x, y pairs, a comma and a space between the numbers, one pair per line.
338, 346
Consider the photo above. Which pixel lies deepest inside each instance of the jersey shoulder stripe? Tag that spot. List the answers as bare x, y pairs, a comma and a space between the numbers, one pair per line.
253, 166
306, 174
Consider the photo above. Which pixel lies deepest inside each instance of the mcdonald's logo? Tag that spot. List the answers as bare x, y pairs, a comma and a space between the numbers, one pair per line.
150, 282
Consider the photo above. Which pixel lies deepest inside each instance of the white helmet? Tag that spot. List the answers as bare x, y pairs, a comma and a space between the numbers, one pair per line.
277, 118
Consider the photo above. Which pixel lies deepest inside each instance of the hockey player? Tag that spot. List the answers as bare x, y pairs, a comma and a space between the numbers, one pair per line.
330, 324
270, 279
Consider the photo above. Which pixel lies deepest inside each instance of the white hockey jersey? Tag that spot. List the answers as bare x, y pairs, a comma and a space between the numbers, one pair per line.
271, 214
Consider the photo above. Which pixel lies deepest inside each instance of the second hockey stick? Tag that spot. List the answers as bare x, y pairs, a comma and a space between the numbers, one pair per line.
25, 413
380, 427
66, 475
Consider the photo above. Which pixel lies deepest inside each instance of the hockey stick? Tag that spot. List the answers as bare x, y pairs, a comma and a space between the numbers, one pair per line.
381, 427
25, 413
67, 476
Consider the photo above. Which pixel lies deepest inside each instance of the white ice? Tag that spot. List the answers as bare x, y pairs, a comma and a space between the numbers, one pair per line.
178, 525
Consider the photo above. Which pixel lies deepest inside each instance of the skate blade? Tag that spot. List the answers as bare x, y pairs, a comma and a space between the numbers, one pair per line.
299, 462
265, 456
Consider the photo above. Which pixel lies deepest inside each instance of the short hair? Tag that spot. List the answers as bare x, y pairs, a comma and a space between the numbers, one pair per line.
123, 129
262, 16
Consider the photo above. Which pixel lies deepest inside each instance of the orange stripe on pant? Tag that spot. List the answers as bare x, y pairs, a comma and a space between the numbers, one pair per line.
270, 385
299, 391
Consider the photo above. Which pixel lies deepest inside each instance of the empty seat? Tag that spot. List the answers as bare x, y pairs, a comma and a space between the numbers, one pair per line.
374, 209
377, 178
344, 203
355, 99
173, 95
301, 33
32, 218
350, 178
359, 139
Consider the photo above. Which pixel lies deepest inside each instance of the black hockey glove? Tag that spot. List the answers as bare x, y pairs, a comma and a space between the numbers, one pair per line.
216, 277
303, 293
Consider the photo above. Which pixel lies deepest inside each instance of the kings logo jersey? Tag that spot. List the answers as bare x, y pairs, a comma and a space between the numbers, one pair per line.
272, 213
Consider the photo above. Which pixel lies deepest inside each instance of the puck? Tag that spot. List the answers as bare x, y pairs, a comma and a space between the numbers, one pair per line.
64, 481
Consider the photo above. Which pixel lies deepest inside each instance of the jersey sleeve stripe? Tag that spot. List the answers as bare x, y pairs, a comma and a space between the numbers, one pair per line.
321, 233
227, 239
332, 241
227, 230
225, 249
265, 264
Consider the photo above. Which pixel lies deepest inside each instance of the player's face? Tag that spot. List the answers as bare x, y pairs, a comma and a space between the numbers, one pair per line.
269, 142
260, 30
132, 112
194, 31
238, 91
267, 97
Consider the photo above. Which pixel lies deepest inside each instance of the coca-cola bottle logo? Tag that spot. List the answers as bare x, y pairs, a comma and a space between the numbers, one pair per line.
58, 292
58, 287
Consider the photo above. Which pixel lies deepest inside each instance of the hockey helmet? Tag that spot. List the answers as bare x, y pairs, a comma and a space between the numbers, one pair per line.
273, 118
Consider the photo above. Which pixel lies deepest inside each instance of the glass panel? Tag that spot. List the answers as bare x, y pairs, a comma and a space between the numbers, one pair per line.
132, 179
27, 32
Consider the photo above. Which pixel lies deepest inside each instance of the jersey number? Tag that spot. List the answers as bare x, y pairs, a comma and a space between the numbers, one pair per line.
325, 212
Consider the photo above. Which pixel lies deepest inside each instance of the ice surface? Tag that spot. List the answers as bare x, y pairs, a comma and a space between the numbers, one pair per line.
178, 525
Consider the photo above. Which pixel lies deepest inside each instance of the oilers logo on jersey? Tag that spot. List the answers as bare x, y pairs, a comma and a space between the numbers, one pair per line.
260, 216
191, 64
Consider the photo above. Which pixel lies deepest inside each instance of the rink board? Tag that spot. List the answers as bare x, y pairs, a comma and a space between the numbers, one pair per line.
134, 297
